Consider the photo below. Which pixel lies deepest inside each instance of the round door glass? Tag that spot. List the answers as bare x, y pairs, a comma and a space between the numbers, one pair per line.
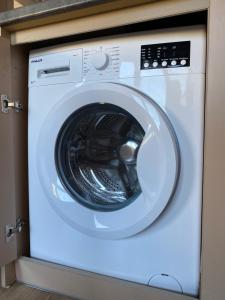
96, 154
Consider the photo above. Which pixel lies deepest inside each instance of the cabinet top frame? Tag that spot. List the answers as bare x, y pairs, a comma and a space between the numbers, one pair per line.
49, 8
104, 15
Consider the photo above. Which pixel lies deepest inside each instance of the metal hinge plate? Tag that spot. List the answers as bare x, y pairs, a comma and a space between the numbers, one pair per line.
11, 230
6, 104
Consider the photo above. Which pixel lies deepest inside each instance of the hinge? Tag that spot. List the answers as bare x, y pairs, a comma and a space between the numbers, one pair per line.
6, 104
11, 230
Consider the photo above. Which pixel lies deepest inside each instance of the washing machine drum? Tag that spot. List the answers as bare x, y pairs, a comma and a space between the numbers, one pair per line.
96, 156
108, 160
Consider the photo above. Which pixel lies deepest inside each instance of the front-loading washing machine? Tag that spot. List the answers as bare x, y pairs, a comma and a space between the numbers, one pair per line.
116, 155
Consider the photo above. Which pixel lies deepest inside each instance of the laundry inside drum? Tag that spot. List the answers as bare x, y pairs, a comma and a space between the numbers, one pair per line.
96, 156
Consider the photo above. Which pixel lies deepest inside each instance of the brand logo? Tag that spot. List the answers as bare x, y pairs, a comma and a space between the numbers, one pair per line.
36, 60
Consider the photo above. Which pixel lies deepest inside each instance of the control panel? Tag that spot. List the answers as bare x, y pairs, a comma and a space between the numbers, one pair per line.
165, 55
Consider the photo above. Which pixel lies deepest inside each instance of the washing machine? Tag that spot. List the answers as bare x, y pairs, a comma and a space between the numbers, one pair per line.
116, 155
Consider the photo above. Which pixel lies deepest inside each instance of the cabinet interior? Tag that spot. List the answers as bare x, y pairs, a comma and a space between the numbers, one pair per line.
19, 92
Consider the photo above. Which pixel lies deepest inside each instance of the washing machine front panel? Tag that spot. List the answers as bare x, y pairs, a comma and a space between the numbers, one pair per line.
70, 228
146, 153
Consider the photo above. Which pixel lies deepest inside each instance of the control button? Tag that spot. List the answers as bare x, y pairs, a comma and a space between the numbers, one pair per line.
146, 65
155, 64
183, 62
164, 63
173, 63
100, 60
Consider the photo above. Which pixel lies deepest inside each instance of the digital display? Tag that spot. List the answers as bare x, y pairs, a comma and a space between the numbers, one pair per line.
166, 55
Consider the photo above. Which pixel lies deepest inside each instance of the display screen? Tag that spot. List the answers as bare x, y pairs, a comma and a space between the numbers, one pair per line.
166, 55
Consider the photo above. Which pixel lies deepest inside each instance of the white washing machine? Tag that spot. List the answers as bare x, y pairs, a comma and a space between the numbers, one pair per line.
115, 156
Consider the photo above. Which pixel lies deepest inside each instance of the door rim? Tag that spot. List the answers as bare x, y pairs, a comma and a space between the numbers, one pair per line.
98, 226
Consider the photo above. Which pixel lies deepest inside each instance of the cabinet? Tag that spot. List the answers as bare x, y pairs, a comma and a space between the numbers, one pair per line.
15, 42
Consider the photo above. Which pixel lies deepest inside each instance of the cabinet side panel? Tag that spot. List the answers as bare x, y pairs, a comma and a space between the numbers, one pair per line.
8, 251
213, 247
20, 93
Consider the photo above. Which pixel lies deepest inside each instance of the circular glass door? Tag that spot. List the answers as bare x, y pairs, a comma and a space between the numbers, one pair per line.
107, 159
96, 156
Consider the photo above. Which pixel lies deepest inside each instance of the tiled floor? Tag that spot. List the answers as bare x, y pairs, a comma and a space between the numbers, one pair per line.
21, 292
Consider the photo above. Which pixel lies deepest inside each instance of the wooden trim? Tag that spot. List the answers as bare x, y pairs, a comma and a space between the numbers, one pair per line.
26, 2
213, 241
40, 18
6, 5
19, 63
8, 250
8, 275
85, 285
146, 12
13, 152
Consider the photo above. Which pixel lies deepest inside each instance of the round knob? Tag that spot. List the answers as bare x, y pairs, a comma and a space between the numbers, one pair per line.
164, 63
183, 62
155, 64
100, 60
173, 63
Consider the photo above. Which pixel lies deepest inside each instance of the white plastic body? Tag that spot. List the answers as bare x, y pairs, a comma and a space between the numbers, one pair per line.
171, 244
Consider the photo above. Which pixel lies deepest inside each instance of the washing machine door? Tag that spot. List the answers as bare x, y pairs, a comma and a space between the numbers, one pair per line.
111, 160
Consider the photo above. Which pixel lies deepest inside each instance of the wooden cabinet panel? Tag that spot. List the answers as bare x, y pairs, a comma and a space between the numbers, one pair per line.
213, 243
8, 251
